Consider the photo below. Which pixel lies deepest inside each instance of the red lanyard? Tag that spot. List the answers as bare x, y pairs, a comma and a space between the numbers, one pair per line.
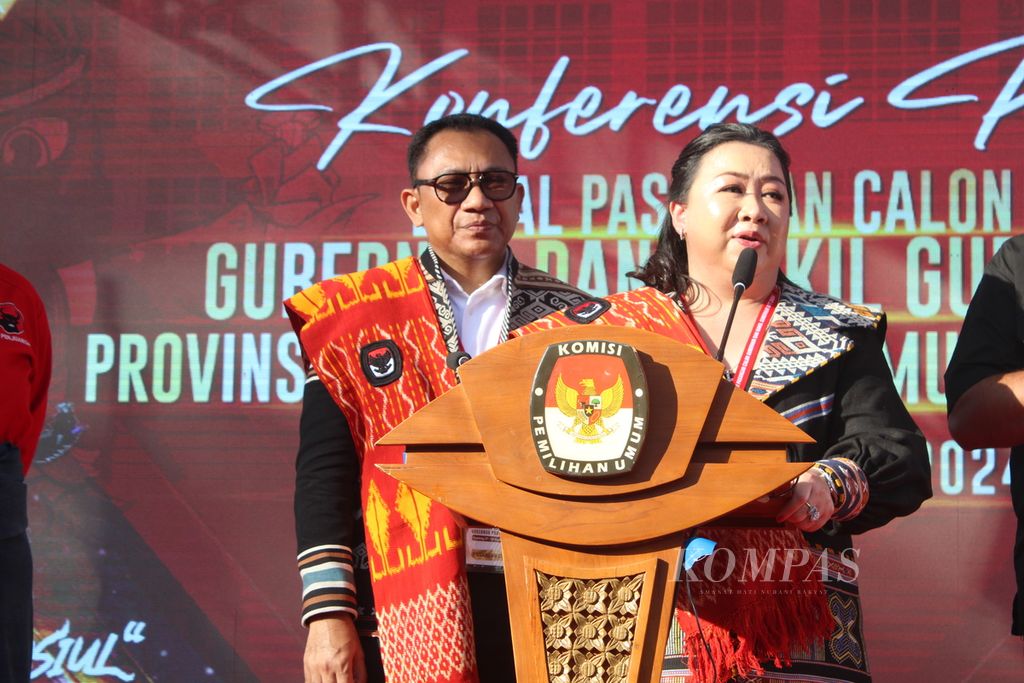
746, 365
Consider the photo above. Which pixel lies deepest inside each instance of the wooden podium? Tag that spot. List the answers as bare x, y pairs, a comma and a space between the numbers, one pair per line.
591, 564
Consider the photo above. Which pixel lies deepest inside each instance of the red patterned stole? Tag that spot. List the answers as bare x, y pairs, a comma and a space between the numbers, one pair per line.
645, 308
414, 546
744, 620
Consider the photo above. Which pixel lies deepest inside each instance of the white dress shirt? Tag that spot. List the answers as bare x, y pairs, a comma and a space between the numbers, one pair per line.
479, 316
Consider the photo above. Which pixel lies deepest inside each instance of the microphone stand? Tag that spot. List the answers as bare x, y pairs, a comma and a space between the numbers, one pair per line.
742, 276
737, 294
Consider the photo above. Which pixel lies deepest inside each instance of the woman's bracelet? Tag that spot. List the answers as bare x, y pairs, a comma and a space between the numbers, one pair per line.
848, 485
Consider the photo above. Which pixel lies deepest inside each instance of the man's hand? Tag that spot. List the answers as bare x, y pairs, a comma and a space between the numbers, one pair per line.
333, 653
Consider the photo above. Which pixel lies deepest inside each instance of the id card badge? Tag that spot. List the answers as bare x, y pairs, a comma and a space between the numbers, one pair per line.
483, 549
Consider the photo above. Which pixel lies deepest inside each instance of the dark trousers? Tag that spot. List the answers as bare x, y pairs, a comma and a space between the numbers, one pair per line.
15, 572
371, 655
1017, 494
15, 609
494, 657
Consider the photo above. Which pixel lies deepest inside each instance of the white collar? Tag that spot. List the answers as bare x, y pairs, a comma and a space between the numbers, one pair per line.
495, 282
481, 316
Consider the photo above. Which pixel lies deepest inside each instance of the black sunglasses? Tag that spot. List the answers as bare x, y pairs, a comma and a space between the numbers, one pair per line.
453, 188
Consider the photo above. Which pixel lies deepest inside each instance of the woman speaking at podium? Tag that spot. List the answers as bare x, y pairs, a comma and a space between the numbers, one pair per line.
817, 361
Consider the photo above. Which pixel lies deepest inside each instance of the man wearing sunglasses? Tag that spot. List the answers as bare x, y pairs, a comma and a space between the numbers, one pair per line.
381, 344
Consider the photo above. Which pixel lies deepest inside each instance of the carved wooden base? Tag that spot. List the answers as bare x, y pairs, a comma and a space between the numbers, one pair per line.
600, 617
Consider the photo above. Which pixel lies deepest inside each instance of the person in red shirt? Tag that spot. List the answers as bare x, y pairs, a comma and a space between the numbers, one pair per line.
25, 362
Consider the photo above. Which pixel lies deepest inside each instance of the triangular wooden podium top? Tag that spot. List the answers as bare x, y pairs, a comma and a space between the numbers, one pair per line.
710, 447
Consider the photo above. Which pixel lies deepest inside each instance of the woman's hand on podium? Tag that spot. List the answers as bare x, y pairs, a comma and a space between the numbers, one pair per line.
333, 653
810, 506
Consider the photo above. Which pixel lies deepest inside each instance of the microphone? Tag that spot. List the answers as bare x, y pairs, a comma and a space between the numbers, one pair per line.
742, 276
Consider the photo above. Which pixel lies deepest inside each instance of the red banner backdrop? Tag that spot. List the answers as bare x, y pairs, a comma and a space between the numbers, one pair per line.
171, 170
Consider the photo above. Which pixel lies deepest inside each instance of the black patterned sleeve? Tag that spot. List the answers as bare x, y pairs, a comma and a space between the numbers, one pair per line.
871, 426
326, 505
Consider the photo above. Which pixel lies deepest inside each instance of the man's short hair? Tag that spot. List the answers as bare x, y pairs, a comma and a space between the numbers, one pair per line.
466, 123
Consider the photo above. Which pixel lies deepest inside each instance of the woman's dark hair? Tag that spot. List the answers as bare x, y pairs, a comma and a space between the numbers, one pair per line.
667, 268
463, 123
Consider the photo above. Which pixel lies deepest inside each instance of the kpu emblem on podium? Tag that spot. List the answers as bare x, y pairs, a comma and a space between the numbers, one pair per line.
588, 408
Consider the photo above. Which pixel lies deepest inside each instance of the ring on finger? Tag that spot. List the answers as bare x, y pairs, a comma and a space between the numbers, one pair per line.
812, 512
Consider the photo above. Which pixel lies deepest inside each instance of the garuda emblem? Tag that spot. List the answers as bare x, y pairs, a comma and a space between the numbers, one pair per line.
589, 407
588, 410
